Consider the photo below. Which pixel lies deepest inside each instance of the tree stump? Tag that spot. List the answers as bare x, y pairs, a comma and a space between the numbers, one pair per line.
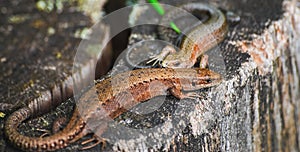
256, 108
39, 40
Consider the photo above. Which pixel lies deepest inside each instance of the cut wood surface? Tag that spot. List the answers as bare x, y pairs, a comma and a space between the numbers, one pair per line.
255, 108
38, 43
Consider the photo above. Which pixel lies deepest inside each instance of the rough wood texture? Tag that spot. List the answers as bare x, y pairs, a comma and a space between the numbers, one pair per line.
38, 46
257, 106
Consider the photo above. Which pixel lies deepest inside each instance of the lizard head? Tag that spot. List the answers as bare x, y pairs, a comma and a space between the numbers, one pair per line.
200, 78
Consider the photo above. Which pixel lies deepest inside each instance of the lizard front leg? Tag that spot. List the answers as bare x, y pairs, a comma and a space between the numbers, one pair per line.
178, 93
162, 55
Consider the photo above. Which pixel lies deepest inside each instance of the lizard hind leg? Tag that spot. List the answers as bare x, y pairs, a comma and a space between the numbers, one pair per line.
96, 141
59, 124
203, 64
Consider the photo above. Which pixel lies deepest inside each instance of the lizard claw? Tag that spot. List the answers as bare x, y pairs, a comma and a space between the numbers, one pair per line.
162, 55
155, 59
97, 141
192, 95
45, 132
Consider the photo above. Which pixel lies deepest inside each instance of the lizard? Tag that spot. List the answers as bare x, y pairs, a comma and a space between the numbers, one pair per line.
103, 99
200, 38
109, 98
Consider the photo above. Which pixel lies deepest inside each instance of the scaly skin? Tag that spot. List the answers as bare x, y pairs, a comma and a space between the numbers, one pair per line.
108, 99
199, 38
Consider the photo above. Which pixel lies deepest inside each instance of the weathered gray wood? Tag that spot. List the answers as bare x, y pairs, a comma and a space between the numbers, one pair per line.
38, 46
256, 108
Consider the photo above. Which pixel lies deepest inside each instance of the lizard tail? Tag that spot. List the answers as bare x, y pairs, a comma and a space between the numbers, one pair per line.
56, 141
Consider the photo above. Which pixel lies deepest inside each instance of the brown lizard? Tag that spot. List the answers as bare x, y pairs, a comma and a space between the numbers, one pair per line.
199, 38
106, 101
109, 98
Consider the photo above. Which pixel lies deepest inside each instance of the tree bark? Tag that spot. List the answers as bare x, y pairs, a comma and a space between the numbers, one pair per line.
256, 108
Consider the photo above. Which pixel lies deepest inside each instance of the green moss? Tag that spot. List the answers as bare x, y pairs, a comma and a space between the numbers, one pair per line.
2, 115
16, 19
